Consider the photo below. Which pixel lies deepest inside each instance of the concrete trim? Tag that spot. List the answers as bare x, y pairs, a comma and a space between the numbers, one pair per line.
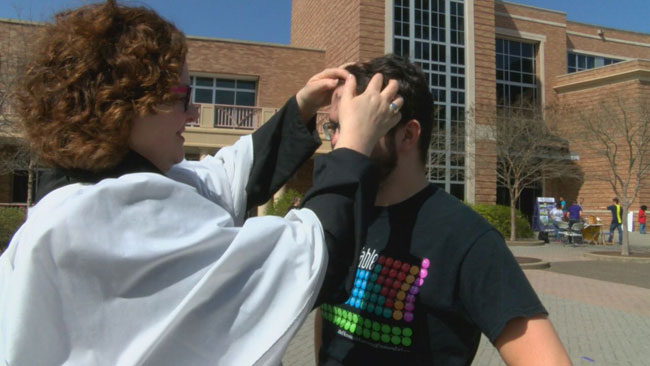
599, 54
252, 43
615, 258
389, 25
607, 28
249, 77
470, 100
22, 22
537, 265
532, 7
638, 74
529, 19
525, 243
517, 34
485, 132
605, 38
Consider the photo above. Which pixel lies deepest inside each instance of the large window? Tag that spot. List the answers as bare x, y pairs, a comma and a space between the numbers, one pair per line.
578, 62
223, 91
431, 34
516, 74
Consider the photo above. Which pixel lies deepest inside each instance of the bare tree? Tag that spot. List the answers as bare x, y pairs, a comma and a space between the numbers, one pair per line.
16, 38
447, 143
618, 130
528, 153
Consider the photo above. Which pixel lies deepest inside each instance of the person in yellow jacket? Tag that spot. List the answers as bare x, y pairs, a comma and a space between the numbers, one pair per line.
617, 221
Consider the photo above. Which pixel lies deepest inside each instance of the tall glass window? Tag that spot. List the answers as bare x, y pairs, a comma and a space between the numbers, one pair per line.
578, 62
516, 74
431, 33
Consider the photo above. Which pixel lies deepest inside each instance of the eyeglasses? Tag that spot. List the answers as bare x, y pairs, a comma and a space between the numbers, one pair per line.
184, 89
329, 129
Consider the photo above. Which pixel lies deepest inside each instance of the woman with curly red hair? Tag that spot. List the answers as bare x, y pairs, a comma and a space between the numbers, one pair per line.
133, 255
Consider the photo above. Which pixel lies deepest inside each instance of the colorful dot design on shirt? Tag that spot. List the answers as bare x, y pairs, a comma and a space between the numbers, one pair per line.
389, 289
366, 328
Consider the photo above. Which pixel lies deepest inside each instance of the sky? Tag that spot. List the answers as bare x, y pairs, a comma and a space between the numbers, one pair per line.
270, 20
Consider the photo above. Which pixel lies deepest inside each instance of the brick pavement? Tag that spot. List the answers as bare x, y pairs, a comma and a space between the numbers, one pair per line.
599, 322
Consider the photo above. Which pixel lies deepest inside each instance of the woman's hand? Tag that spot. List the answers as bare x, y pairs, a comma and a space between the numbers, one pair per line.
317, 93
365, 118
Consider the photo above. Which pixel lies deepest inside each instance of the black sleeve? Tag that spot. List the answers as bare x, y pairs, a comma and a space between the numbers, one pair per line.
344, 191
280, 146
493, 288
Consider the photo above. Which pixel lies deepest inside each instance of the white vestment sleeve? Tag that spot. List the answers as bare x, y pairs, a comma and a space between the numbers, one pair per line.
143, 270
222, 178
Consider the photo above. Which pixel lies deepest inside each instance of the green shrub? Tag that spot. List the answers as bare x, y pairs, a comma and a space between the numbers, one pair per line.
499, 217
10, 220
280, 206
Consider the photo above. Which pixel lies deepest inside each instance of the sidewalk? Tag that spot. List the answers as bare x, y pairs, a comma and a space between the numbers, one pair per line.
601, 321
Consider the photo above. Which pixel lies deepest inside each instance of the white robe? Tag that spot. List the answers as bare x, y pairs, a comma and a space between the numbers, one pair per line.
144, 269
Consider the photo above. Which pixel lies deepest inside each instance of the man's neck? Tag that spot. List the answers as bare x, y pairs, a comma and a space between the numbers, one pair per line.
402, 183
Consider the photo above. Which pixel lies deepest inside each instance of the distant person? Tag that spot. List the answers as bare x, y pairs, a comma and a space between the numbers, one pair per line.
575, 215
642, 219
563, 204
556, 217
617, 221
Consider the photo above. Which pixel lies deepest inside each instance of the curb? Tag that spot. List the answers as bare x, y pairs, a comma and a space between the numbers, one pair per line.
525, 243
616, 258
532, 263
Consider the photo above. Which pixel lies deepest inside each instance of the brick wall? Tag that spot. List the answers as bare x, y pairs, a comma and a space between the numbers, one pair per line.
371, 29
348, 30
281, 71
485, 108
534, 24
579, 94
617, 43
580, 91
333, 26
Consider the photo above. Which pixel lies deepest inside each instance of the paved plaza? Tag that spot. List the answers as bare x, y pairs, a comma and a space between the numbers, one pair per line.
601, 310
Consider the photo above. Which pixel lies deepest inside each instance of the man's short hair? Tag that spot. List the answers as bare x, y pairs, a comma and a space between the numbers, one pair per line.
615, 200
413, 87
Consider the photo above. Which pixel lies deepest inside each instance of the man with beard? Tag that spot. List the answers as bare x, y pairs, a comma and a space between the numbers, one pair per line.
432, 275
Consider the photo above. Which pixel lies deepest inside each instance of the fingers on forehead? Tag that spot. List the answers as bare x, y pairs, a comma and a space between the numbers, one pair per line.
336, 73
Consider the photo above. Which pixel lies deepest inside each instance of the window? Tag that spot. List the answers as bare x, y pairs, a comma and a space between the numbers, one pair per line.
431, 34
578, 62
516, 74
210, 90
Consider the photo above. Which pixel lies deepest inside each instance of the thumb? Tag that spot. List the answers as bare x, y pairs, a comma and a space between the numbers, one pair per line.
325, 84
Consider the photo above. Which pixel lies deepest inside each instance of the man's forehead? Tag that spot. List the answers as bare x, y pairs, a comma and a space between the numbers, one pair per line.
339, 90
336, 96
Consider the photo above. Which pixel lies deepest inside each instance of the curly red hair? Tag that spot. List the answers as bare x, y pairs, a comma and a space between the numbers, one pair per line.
96, 69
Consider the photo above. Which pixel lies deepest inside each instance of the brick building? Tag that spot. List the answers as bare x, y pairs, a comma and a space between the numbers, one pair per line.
478, 55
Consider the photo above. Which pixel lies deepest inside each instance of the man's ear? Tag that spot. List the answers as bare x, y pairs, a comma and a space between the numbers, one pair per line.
409, 136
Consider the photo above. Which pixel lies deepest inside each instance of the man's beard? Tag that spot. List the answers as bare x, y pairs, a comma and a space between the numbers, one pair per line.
386, 160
